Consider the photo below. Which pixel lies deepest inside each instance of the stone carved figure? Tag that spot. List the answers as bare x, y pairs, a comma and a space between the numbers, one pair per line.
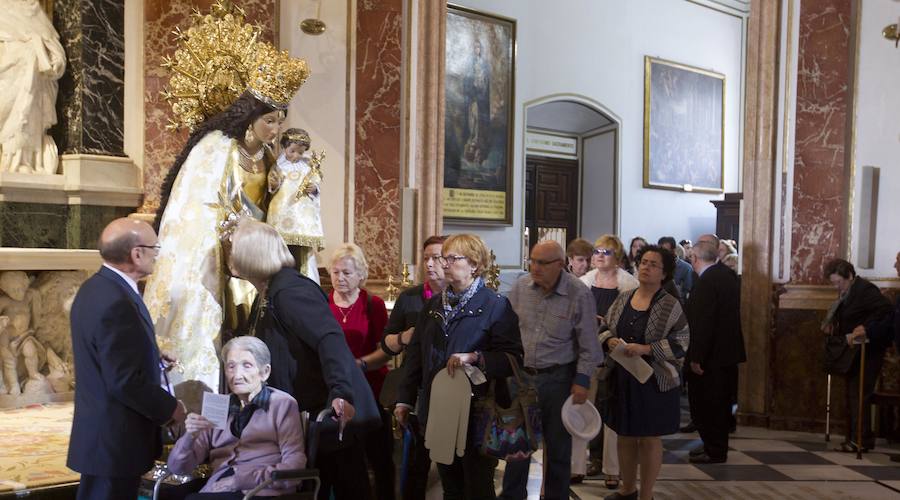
20, 304
35, 347
31, 61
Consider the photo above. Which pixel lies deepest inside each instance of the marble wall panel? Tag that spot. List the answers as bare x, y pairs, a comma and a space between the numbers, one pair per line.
40, 225
160, 18
32, 225
378, 128
90, 106
820, 181
798, 379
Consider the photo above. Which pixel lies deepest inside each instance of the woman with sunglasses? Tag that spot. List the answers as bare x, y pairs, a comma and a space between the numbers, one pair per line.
607, 280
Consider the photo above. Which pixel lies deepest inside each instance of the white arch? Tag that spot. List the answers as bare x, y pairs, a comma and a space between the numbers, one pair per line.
603, 110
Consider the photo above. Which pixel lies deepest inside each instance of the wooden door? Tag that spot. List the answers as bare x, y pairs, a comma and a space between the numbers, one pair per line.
551, 199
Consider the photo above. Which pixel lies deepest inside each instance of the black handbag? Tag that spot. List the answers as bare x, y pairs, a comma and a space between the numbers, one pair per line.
606, 382
839, 357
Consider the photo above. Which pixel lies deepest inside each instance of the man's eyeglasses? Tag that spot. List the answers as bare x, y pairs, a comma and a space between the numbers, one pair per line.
449, 259
436, 257
154, 247
606, 252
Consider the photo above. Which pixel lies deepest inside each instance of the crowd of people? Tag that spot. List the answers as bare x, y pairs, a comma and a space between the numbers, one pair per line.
233, 298
301, 349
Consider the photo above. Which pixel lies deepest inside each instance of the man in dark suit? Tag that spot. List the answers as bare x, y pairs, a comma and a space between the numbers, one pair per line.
119, 402
716, 349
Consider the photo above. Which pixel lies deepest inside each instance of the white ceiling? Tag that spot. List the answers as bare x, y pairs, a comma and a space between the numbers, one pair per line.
565, 116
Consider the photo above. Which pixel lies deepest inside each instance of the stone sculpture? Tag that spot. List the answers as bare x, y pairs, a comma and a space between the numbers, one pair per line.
35, 345
31, 61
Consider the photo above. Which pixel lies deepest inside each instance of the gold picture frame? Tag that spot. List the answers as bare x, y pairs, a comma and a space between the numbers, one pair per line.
684, 127
479, 103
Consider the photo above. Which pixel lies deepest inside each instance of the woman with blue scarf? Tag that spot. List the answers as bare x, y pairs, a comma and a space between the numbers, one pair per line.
467, 324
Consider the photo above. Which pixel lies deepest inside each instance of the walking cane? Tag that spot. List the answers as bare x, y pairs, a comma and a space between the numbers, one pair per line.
828, 410
859, 415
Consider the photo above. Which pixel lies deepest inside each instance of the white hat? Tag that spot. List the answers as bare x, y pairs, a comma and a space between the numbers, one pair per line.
583, 423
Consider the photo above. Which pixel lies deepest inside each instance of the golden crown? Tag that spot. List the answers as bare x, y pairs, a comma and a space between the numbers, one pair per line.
218, 58
297, 135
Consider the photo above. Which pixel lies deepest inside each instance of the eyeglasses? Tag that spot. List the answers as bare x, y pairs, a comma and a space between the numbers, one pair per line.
154, 247
603, 251
436, 257
449, 259
541, 262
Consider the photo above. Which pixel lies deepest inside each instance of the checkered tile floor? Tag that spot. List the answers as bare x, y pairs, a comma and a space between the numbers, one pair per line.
769, 464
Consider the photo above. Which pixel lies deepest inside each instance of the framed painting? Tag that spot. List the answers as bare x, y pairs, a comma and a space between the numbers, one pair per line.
684, 127
478, 123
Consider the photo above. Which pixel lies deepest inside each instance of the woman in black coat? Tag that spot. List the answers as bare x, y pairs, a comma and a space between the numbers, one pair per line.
310, 358
859, 302
467, 323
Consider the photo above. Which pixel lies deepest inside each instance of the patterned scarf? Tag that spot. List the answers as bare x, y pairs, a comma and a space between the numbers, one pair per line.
453, 303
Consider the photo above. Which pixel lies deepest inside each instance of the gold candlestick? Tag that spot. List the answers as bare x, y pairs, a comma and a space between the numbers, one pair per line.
493, 273
405, 283
391, 289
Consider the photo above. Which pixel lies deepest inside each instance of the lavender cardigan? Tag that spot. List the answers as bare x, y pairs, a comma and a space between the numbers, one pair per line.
272, 440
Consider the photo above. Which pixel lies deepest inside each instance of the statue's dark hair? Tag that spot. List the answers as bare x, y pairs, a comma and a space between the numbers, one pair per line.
233, 122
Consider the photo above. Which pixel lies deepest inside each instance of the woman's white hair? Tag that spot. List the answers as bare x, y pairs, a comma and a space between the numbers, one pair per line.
257, 348
356, 255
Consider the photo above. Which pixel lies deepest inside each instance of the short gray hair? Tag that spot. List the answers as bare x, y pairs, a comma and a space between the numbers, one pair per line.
706, 251
257, 348
118, 250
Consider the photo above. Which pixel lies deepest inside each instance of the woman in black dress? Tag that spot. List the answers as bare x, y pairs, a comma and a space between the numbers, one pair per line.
651, 324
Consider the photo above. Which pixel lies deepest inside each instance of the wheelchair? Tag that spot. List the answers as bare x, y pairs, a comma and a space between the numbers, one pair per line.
312, 430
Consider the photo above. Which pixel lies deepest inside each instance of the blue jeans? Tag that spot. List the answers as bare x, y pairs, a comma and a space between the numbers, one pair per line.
553, 388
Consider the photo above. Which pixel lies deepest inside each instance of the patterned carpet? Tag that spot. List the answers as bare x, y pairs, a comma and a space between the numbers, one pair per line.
34, 443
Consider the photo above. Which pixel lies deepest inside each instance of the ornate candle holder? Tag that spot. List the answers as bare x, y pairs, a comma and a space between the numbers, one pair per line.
405, 283
493, 273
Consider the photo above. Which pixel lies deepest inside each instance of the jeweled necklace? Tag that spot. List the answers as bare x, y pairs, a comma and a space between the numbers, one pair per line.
248, 161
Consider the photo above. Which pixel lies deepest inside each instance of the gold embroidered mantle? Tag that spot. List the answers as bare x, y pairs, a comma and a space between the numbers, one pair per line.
185, 294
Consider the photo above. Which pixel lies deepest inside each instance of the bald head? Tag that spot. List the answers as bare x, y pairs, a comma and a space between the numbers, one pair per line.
549, 249
121, 236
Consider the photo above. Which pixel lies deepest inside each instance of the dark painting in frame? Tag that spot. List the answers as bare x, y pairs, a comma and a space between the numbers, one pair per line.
684, 127
479, 100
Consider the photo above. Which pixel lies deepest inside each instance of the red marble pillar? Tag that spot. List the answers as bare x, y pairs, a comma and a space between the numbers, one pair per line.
821, 180
376, 202
160, 18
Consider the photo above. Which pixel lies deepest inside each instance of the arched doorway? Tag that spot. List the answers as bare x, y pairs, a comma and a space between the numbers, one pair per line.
571, 169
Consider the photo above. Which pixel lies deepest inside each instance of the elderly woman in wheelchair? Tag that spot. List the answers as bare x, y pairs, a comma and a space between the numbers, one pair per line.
264, 433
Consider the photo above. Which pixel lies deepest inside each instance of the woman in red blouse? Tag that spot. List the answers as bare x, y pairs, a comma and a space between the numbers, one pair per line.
362, 317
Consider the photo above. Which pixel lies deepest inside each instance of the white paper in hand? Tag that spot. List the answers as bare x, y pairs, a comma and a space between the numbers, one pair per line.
635, 365
215, 409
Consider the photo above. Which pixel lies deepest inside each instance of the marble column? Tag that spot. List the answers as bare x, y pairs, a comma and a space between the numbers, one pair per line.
91, 92
378, 129
756, 232
161, 146
821, 167
429, 162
